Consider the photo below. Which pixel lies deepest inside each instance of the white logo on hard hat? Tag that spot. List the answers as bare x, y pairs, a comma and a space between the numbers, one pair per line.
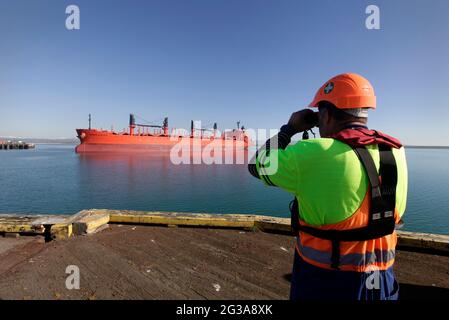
329, 88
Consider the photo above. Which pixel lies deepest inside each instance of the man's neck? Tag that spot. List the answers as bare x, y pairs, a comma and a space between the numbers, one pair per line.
350, 125
343, 126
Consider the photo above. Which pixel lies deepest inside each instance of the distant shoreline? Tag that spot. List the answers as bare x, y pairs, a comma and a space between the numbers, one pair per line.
41, 140
58, 143
426, 147
75, 141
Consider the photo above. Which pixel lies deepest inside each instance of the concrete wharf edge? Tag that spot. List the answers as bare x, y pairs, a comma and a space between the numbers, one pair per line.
93, 220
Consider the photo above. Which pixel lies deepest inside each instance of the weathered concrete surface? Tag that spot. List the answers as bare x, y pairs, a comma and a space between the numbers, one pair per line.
148, 262
17, 252
7, 244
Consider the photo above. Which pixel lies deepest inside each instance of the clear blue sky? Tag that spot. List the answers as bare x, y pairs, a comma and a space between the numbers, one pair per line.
218, 60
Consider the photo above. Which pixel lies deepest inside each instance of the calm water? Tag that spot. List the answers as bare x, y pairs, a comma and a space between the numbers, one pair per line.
53, 179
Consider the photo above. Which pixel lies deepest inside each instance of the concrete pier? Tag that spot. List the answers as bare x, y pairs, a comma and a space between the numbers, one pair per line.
169, 255
12, 145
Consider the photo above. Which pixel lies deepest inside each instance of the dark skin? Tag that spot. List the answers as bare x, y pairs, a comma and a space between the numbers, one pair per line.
328, 125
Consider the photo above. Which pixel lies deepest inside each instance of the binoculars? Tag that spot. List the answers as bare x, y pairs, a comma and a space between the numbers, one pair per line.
312, 119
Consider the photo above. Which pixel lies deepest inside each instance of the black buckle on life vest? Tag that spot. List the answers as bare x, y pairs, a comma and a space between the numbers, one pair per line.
294, 216
381, 220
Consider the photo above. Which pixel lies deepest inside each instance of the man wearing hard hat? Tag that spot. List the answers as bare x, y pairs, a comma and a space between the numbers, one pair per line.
350, 189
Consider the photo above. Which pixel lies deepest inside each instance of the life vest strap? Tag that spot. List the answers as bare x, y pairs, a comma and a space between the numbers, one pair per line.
335, 257
383, 194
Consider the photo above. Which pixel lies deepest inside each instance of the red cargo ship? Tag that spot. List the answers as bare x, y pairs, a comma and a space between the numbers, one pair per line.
145, 137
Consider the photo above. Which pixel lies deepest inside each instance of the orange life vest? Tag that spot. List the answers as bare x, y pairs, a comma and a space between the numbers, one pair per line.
365, 241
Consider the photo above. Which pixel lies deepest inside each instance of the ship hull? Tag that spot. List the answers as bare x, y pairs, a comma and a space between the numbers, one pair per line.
97, 147
105, 141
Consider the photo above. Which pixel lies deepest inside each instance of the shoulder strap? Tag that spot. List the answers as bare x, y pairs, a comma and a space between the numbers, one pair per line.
383, 190
389, 178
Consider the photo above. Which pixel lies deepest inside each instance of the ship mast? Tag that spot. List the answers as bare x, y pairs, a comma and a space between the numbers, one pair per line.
132, 124
165, 126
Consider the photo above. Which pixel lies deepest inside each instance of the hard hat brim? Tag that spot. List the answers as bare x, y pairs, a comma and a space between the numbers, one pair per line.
348, 102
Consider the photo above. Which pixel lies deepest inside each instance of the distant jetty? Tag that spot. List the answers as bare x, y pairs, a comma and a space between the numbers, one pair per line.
10, 145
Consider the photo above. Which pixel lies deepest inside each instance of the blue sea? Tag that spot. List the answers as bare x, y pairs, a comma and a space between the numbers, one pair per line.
53, 179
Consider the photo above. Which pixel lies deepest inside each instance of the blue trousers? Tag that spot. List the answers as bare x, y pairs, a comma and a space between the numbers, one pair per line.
312, 283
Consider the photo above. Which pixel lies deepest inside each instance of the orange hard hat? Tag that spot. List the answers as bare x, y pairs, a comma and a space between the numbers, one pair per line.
346, 91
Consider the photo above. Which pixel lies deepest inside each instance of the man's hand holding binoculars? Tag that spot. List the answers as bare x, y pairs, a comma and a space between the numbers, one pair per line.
303, 120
